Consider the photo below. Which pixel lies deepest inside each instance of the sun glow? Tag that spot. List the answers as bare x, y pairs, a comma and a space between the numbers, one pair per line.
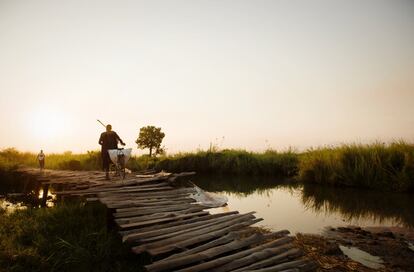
48, 123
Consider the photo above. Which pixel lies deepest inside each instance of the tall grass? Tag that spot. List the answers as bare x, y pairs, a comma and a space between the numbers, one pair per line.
379, 166
69, 237
233, 162
11, 158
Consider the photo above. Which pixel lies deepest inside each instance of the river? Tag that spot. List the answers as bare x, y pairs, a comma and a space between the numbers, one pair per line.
310, 208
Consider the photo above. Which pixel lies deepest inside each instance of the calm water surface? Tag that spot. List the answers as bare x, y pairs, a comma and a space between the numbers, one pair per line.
310, 208
18, 191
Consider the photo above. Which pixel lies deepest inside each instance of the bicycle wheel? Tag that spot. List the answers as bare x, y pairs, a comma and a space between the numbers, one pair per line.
112, 170
122, 166
123, 173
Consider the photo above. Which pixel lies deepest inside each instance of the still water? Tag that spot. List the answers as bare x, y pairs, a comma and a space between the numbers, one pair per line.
18, 191
310, 208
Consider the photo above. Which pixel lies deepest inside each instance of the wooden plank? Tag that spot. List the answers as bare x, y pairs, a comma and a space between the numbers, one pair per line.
185, 225
177, 238
157, 221
131, 204
120, 190
161, 215
216, 242
194, 240
261, 259
281, 245
137, 192
205, 255
163, 225
283, 266
127, 200
147, 237
161, 209
153, 207
132, 197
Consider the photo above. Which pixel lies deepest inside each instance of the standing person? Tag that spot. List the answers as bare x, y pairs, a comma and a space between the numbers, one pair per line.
41, 158
108, 140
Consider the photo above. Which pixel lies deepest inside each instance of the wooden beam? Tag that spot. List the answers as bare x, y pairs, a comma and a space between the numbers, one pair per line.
194, 240
157, 221
281, 245
185, 225
204, 255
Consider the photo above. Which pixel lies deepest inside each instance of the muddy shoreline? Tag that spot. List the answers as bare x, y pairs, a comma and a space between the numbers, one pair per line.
390, 249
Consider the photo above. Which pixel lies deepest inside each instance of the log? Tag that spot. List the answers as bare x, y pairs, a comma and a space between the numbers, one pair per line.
160, 184
109, 190
131, 204
149, 186
126, 197
177, 238
163, 225
281, 267
162, 209
280, 245
205, 255
157, 221
183, 229
261, 259
196, 239
161, 215
137, 192
216, 242
173, 230
153, 207
146, 199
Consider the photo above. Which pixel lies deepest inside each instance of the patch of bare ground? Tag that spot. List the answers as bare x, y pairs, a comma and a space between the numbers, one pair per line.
391, 246
327, 255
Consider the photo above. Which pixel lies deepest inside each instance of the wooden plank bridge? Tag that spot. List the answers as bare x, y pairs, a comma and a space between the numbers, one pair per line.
158, 218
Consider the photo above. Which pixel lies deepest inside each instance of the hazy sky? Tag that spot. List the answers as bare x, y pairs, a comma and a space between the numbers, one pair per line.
258, 73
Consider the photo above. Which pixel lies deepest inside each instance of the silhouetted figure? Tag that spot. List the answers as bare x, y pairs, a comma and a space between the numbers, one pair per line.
41, 158
108, 140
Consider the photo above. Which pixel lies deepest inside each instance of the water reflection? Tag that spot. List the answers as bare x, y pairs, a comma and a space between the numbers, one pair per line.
242, 186
361, 204
310, 208
18, 191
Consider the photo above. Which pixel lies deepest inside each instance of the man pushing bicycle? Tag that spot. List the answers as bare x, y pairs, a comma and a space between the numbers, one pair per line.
108, 140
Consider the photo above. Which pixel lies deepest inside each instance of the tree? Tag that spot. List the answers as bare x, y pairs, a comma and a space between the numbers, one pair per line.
151, 137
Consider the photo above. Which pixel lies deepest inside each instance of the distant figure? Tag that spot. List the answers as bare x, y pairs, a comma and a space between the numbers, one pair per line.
108, 140
41, 158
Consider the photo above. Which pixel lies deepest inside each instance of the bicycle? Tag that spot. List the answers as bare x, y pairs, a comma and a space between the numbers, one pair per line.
119, 158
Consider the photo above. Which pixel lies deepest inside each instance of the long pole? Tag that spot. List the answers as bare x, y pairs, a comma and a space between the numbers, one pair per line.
100, 122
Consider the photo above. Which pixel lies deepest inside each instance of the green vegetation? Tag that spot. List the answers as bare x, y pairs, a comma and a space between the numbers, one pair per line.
233, 162
69, 237
151, 137
11, 158
379, 166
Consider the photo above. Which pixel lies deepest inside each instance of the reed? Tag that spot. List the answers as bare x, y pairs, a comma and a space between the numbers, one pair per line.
233, 162
379, 166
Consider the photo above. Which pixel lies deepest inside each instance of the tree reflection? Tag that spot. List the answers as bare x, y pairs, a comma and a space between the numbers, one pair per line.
355, 204
241, 186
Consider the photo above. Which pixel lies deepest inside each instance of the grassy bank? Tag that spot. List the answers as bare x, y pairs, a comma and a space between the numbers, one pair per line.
71, 237
233, 162
378, 166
